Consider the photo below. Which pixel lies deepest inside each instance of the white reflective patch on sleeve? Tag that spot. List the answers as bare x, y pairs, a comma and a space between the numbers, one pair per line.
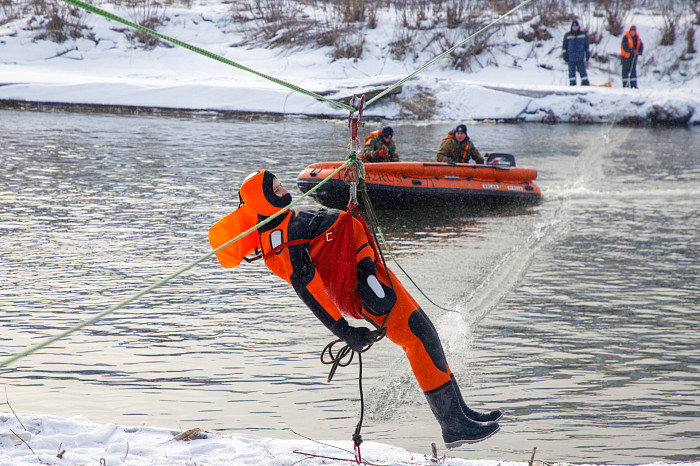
376, 286
276, 238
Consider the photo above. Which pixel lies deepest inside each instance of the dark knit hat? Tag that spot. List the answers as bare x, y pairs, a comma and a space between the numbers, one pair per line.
574, 23
461, 129
387, 131
633, 28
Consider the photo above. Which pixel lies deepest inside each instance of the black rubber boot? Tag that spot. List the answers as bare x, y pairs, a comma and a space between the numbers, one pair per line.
494, 415
457, 428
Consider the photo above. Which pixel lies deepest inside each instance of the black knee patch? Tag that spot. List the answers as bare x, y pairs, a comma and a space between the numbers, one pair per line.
423, 328
374, 304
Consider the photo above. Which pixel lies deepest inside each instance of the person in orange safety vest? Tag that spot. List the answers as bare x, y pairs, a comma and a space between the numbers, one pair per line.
290, 245
458, 148
379, 146
630, 50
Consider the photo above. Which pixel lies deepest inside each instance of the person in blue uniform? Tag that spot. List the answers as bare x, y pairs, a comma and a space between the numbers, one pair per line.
576, 53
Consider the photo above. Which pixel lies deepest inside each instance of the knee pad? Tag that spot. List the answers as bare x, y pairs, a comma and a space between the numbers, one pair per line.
377, 298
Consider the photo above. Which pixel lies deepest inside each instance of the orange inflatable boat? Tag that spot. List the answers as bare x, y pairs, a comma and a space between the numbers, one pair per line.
418, 185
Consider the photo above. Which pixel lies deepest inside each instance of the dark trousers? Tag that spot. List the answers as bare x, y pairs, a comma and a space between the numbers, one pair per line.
581, 67
629, 71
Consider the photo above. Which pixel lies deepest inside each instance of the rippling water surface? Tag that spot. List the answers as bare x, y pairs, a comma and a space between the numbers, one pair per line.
579, 317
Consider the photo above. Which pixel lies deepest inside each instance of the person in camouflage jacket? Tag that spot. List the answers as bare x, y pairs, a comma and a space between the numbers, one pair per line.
379, 146
458, 148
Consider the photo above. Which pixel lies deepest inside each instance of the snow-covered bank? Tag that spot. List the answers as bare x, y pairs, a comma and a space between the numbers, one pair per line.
520, 81
33, 439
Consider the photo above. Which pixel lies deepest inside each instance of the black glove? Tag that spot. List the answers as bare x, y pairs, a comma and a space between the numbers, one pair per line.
357, 338
566, 57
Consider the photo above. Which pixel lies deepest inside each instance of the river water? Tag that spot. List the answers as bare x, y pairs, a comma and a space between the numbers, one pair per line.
579, 317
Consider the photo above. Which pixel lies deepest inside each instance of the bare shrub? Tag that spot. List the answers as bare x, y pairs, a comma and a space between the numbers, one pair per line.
502, 7
419, 14
402, 43
439, 25
671, 15
456, 13
57, 21
9, 10
537, 17
616, 13
349, 46
147, 13
473, 19
695, 8
183, 3
586, 12
552, 12
600, 58
461, 58
352, 10
690, 40
276, 23
537, 32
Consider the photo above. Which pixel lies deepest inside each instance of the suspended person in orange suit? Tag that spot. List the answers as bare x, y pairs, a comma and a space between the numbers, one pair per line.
291, 245
630, 50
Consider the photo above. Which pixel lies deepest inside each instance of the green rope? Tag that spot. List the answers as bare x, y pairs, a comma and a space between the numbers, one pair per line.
108, 15
398, 83
184, 269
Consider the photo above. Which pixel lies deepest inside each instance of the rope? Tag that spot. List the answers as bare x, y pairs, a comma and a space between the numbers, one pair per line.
381, 235
398, 83
108, 15
376, 230
337, 360
351, 159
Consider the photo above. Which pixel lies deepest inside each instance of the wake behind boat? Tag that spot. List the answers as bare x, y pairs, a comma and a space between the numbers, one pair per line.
418, 185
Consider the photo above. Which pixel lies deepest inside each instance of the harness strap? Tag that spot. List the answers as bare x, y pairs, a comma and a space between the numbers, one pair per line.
286, 244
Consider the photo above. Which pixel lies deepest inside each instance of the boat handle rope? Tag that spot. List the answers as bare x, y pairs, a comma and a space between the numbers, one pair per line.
350, 159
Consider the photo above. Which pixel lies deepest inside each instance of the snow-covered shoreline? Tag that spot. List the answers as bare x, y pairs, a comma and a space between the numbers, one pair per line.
533, 105
29, 439
519, 81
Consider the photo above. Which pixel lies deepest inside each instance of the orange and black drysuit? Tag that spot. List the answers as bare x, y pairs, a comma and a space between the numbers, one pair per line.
301, 232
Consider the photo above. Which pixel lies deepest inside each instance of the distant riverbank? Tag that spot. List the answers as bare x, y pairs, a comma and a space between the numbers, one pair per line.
514, 80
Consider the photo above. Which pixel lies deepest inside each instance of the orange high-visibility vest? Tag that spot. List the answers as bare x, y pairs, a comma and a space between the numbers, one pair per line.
630, 44
372, 135
466, 148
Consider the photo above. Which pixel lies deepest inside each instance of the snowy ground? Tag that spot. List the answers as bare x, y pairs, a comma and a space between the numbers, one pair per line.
517, 80
31, 439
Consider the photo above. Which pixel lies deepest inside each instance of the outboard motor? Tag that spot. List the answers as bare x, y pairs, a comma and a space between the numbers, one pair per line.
501, 159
